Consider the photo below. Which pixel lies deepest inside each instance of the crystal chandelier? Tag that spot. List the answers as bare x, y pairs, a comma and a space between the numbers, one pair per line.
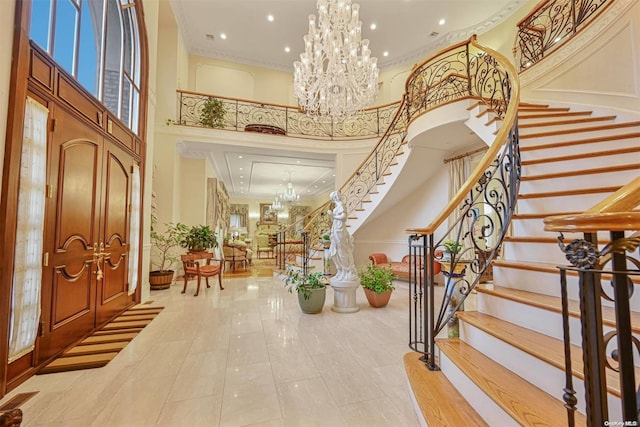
289, 195
336, 76
276, 206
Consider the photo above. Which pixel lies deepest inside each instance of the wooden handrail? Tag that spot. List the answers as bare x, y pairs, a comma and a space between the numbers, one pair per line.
501, 139
614, 213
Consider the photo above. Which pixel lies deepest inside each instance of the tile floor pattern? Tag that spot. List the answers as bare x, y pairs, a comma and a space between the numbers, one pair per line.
244, 356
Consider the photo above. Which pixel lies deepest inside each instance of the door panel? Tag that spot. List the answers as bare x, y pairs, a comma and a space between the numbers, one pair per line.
71, 229
112, 289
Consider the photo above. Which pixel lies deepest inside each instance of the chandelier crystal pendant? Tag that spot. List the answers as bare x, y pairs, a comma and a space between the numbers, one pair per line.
336, 75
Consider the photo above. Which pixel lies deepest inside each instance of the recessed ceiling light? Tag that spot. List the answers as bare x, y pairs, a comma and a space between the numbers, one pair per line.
241, 176
241, 169
442, 21
223, 36
270, 18
240, 156
373, 26
385, 53
287, 49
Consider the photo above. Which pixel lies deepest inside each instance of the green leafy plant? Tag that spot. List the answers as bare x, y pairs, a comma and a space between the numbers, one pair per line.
452, 246
377, 278
199, 238
326, 237
165, 242
213, 112
304, 284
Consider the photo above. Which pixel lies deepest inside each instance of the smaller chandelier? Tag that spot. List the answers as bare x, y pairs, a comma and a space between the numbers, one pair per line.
336, 75
276, 206
289, 195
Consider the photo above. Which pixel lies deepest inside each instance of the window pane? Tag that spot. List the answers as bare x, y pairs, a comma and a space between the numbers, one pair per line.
113, 58
90, 38
135, 109
64, 44
126, 102
127, 42
40, 11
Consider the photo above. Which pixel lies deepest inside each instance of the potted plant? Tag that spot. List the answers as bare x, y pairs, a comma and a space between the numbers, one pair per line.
164, 244
213, 112
377, 282
199, 238
311, 289
326, 241
449, 259
452, 246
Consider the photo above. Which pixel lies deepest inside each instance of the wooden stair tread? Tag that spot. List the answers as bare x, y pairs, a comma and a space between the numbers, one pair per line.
553, 304
526, 404
539, 215
549, 350
567, 122
579, 130
605, 138
432, 386
584, 155
563, 193
592, 171
545, 268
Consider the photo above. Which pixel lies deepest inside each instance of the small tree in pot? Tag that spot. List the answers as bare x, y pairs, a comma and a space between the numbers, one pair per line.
164, 244
377, 282
199, 238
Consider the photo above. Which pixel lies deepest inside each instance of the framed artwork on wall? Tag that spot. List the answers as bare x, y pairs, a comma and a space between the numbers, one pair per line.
267, 216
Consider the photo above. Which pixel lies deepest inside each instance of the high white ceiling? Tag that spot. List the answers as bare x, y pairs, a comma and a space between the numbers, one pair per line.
407, 29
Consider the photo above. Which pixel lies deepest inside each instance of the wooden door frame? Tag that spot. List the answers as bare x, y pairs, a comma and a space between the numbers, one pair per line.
18, 88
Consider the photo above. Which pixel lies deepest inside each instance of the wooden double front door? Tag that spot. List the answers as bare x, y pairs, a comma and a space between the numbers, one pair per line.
85, 273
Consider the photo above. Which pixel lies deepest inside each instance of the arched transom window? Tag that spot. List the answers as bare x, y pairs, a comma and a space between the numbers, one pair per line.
98, 43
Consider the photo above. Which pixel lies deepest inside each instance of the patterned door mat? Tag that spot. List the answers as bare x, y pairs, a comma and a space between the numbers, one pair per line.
104, 344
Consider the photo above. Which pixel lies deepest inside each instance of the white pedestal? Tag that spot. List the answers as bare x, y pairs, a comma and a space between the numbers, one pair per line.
344, 295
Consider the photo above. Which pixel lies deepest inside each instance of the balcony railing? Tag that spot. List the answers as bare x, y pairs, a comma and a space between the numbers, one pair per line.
241, 115
551, 24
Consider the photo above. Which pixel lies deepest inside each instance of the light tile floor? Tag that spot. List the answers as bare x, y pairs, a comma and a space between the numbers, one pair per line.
244, 356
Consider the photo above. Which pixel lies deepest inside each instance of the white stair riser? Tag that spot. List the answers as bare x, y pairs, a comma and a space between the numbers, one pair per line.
578, 182
573, 203
533, 281
573, 136
540, 374
561, 127
569, 150
493, 414
546, 118
533, 252
582, 164
535, 227
549, 284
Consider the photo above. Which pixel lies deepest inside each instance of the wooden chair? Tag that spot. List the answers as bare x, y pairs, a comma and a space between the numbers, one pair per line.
193, 269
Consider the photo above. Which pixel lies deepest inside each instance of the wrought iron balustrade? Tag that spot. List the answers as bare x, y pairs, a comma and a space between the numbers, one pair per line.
605, 283
241, 115
549, 25
477, 217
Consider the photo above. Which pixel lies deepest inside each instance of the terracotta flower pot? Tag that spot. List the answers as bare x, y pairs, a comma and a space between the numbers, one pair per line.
377, 300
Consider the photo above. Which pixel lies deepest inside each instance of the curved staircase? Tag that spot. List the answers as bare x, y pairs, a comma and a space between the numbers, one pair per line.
507, 366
